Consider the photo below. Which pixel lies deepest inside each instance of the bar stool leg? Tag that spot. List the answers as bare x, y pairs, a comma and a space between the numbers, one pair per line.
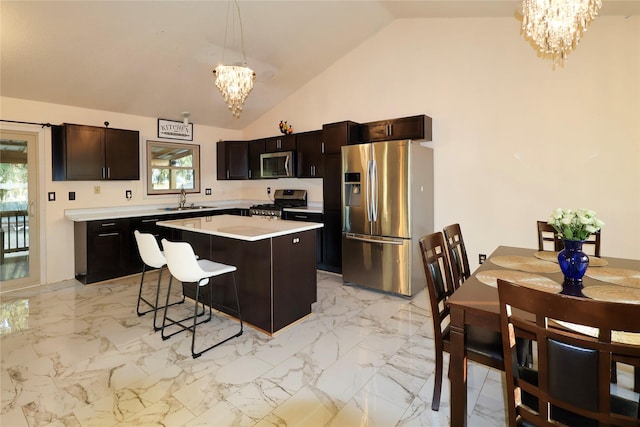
210, 286
154, 307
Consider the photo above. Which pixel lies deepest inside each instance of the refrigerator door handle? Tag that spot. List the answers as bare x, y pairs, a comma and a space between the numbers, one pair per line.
368, 189
374, 190
381, 240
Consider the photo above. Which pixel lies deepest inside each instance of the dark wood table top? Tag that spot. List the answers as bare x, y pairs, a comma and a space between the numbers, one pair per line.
481, 299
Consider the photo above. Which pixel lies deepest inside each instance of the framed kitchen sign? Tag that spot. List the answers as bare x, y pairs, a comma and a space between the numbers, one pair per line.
175, 130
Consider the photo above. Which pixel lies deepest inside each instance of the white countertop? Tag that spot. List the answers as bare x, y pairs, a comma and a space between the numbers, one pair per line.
98, 214
241, 227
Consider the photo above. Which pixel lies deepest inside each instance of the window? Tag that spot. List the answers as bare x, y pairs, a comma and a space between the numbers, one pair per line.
172, 167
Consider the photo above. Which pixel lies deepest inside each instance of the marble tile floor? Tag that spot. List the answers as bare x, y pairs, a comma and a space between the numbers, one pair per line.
75, 355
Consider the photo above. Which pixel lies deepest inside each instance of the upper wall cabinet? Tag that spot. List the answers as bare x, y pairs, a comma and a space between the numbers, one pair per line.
232, 160
256, 147
310, 160
281, 143
414, 127
89, 153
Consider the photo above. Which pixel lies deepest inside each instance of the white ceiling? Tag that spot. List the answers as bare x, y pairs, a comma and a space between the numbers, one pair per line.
155, 58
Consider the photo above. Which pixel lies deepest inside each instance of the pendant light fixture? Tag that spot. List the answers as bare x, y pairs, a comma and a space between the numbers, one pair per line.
556, 26
235, 82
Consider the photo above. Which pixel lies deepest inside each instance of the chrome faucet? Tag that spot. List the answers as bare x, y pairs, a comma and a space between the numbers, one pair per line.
183, 198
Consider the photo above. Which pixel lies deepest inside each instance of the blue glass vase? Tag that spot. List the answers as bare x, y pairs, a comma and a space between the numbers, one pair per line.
573, 262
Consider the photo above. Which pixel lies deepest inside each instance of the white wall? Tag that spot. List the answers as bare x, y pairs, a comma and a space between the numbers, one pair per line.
58, 248
513, 138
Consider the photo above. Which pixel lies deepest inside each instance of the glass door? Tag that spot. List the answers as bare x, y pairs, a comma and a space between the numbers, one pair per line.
19, 235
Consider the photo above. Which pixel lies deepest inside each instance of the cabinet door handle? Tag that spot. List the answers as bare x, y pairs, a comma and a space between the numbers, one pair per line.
301, 216
108, 224
322, 147
108, 172
250, 173
151, 220
108, 234
227, 173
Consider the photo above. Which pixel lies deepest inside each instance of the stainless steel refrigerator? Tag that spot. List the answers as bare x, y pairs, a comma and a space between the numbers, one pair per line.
387, 200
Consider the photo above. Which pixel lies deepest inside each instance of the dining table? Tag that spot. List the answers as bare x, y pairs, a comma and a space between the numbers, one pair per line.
476, 302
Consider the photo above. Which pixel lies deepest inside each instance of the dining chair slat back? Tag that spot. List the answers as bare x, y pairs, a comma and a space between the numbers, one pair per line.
571, 380
548, 238
482, 345
457, 254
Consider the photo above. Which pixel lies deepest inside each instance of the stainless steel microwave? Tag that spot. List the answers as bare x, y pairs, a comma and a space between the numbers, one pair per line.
277, 165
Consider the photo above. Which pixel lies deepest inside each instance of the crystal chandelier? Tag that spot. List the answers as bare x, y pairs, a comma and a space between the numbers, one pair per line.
556, 26
235, 82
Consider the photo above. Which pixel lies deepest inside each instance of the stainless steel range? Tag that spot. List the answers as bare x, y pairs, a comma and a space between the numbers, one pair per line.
281, 199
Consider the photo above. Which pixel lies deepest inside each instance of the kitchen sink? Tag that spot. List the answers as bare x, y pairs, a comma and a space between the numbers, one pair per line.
187, 208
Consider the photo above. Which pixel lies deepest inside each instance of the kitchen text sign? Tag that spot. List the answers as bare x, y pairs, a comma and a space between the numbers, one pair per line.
175, 130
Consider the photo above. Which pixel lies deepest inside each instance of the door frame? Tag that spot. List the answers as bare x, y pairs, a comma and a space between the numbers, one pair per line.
36, 165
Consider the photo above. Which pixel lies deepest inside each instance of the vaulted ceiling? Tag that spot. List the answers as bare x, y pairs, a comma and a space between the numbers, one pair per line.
155, 58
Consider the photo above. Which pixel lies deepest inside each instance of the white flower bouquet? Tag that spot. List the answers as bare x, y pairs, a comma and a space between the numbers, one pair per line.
575, 225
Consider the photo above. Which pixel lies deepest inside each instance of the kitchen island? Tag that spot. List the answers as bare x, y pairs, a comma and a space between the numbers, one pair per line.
276, 263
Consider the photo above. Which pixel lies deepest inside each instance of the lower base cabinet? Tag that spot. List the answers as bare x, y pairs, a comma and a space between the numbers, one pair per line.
310, 217
101, 250
107, 249
276, 277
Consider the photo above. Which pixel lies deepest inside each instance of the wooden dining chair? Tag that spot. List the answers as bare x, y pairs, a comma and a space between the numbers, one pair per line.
457, 254
571, 382
591, 246
548, 240
482, 345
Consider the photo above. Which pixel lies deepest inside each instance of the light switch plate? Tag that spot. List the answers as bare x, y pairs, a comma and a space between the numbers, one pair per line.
72, 195
207, 191
52, 196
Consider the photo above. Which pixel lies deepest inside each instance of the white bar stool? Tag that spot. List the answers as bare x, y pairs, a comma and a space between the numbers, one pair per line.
152, 257
183, 265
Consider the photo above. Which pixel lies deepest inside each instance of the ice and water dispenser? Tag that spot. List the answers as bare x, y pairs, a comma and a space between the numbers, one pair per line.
352, 189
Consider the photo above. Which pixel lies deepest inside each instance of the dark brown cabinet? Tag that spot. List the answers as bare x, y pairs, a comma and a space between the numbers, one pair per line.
107, 249
256, 148
101, 250
334, 136
89, 153
232, 160
310, 158
280, 143
414, 127
276, 277
310, 217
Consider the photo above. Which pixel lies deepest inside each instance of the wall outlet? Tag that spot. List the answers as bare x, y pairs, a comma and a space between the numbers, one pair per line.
268, 190
207, 191
128, 194
482, 258
72, 195
96, 189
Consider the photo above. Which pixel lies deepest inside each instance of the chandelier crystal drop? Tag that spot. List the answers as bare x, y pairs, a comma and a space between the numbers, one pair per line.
556, 26
235, 82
